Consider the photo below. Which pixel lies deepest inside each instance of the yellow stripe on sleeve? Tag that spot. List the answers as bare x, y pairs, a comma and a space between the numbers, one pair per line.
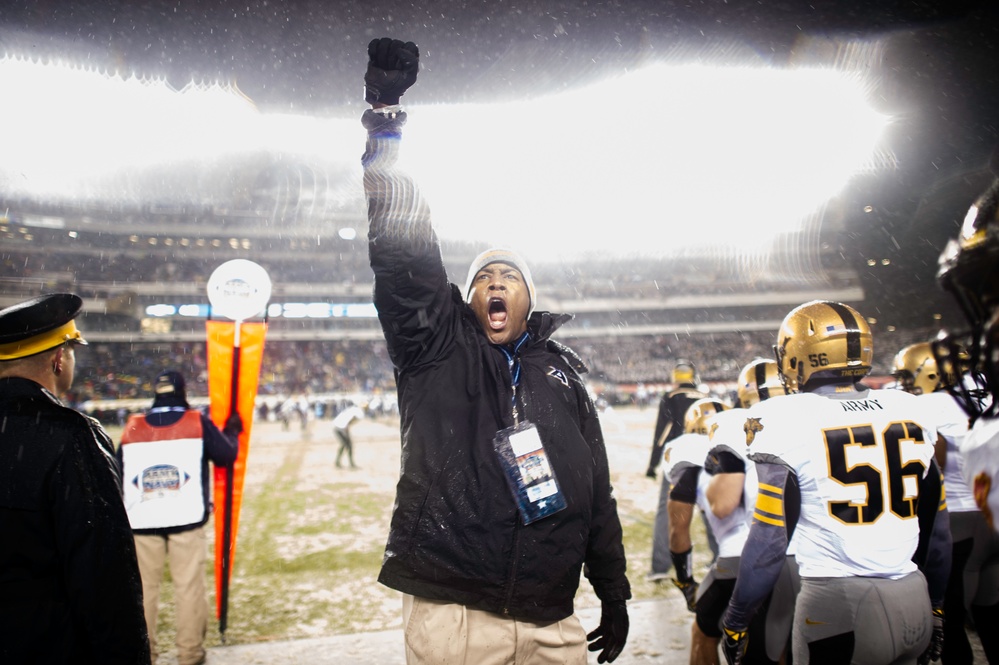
768, 520
773, 489
769, 509
770, 504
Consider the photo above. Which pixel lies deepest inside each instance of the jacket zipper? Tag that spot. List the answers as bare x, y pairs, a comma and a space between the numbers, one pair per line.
513, 567
513, 363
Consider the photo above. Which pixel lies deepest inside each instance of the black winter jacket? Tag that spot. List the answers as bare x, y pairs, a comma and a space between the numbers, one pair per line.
456, 534
70, 590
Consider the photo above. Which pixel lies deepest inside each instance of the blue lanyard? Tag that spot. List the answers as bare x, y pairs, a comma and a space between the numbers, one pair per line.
513, 363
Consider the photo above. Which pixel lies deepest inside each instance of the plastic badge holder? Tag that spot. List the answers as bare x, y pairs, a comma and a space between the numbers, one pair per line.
528, 472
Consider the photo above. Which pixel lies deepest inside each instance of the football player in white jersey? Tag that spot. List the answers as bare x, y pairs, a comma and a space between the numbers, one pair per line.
974, 573
683, 461
969, 270
850, 472
730, 493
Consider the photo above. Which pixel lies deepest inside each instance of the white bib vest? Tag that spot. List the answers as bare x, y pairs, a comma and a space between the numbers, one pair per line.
162, 472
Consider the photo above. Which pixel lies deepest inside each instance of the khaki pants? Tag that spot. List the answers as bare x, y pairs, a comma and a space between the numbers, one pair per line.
442, 633
186, 551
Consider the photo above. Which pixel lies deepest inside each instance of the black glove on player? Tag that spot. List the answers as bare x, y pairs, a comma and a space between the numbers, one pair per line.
392, 69
689, 591
734, 644
684, 581
233, 425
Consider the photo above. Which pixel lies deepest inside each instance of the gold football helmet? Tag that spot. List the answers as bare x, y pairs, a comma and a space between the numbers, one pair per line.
759, 381
684, 372
823, 339
695, 420
915, 369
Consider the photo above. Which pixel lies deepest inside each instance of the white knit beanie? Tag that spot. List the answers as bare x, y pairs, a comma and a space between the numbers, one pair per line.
510, 258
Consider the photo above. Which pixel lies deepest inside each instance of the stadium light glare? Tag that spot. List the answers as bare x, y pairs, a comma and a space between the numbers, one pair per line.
161, 310
708, 156
711, 157
98, 125
193, 311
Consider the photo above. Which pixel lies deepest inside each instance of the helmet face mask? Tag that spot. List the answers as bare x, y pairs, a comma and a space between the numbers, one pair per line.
696, 419
969, 271
822, 339
758, 381
967, 362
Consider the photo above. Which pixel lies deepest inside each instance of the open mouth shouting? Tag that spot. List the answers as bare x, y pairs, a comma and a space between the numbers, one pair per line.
497, 313
501, 301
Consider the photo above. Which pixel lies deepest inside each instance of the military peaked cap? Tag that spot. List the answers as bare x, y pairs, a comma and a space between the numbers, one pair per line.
39, 324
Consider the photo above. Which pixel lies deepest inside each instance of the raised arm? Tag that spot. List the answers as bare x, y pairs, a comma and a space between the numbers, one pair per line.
412, 293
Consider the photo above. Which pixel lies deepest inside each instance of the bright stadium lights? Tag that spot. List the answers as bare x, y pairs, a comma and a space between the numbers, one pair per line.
193, 311
708, 156
161, 310
290, 310
98, 125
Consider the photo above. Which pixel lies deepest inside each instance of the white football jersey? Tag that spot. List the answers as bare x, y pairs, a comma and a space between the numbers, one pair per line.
683, 452
725, 433
859, 459
951, 423
980, 450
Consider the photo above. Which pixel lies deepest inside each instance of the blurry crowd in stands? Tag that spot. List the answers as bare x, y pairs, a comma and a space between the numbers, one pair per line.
299, 371
113, 371
90, 258
177, 263
717, 356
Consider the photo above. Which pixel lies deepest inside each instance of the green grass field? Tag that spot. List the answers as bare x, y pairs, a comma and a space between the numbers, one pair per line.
311, 536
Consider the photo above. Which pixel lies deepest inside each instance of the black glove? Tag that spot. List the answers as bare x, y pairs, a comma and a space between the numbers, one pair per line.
612, 632
392, 69
689, 591
935, 647
734, 643
233, 425
684, 581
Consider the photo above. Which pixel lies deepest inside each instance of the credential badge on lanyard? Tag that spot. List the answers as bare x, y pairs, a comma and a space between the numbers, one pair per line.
528, 472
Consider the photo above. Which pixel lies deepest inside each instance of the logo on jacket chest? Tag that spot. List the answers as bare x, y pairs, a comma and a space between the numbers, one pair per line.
558, 375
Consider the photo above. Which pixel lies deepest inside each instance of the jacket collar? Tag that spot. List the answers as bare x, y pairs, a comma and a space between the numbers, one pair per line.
17, 386
543, 325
